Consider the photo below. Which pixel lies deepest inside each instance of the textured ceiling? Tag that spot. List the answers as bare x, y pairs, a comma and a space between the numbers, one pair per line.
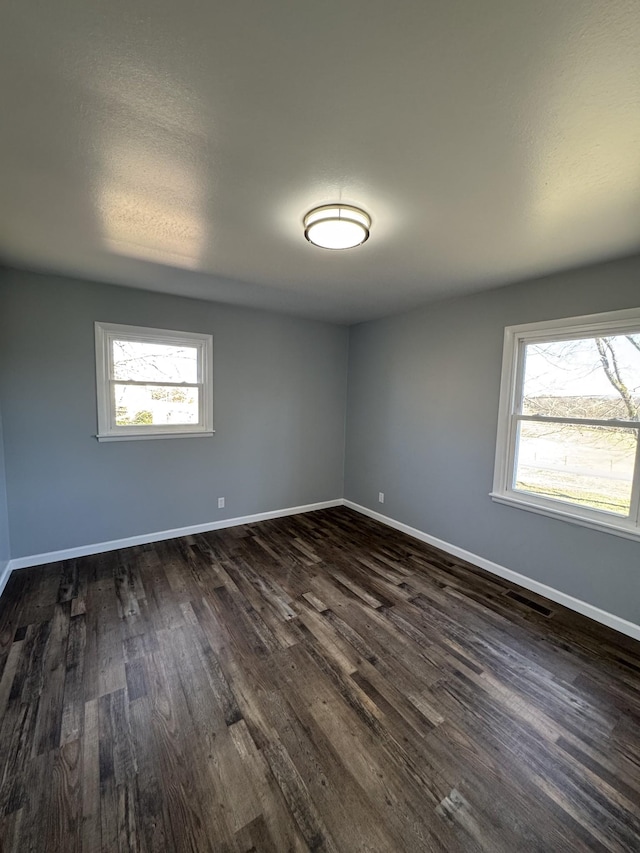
177, 145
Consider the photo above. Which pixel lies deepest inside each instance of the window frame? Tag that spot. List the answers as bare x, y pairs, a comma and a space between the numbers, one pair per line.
510, 415
108, 430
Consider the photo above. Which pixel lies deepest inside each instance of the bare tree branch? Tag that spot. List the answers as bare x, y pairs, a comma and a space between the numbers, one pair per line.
610, 367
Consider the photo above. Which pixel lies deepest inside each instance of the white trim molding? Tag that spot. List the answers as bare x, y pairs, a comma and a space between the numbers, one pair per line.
631, 629
512, 417
553, 512
576, 604
5, 571
160, 535
106, 334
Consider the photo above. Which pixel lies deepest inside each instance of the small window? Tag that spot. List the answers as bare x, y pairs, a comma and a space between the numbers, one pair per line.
153, 383
569, 421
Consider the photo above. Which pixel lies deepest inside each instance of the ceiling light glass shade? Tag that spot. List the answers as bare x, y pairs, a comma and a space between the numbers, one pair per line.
336, 226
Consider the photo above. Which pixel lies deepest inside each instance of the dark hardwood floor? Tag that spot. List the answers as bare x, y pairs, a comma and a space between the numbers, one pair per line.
317, 682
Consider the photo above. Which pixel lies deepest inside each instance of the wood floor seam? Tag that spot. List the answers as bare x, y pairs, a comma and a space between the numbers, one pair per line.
309, 683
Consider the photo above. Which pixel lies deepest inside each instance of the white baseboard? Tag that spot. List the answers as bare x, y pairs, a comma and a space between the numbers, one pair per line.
5, 571
583, 607
158, 536
595, 613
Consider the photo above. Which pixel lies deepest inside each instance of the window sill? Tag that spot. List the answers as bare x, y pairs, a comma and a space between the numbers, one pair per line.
561, 515
151, 435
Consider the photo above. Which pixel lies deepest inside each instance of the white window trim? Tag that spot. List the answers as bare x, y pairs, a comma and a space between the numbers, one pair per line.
105, 333
515, 339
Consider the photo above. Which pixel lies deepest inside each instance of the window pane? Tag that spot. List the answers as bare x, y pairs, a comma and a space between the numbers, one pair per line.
596, 378
137, 405
588, 466
150, 362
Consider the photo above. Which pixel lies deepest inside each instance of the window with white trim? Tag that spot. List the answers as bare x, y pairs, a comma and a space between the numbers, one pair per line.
152, 383
569, 421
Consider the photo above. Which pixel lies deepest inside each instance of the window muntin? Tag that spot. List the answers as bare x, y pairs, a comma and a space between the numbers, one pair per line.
152, 383
569, 421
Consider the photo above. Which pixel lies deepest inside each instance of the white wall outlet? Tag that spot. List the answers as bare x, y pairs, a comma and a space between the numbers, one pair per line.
220, 503
381, 497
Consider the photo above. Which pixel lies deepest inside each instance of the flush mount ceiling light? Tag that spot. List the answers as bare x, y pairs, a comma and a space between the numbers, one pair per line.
337, 226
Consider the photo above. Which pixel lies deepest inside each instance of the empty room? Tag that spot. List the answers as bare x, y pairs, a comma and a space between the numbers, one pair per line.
320, 426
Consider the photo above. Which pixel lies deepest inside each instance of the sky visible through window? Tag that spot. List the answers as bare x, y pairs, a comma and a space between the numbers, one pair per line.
153, 362
155, 402
575, 367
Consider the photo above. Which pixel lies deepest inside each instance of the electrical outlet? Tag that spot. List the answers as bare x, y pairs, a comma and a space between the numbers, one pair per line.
220, 503
381, 497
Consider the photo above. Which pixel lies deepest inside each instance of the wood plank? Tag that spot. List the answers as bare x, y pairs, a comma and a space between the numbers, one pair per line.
315, 682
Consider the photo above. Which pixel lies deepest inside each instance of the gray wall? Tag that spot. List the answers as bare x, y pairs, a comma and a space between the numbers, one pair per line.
421, 427
279, 410
4, 512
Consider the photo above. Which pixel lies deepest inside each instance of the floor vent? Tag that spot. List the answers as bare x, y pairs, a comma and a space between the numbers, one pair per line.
628, 664
539, 608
